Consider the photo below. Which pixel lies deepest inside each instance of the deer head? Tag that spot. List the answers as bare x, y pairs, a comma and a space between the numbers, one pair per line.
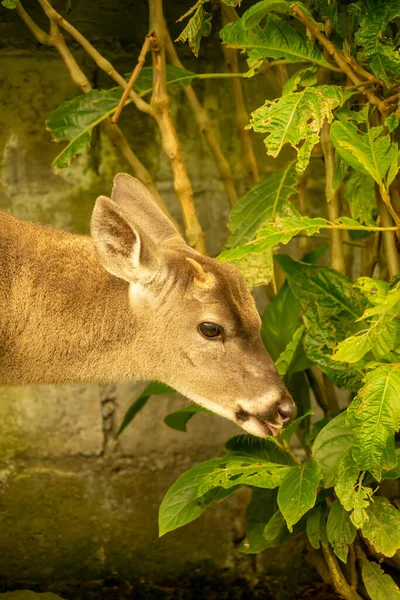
196, 325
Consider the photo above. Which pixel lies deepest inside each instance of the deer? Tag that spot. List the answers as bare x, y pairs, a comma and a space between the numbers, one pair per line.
133, 301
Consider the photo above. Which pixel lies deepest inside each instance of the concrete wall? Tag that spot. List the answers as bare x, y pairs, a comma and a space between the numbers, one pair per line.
73, 503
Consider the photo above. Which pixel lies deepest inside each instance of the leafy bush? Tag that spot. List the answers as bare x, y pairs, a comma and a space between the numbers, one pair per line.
338, 65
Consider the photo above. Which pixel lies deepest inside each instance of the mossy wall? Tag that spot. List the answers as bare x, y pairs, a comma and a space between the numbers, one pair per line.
73, 503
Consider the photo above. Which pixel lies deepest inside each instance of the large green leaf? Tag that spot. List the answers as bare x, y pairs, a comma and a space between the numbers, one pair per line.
381, 333
180, 418
292, 360
154, 388
316, 526
368, 153
193, 491
374, 416
258, 11
257, 269
278, 39
259, 511
74, 120
298, 491
276, 531
378, 584
354, 496
265, 448
382, 529
297, 119
280, 320
198, 27
330, 446
340, 530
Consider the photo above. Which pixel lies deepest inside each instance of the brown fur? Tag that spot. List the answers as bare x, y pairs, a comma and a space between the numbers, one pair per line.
124, 304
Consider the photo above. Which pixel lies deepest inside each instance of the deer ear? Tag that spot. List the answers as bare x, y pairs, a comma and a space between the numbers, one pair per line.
124, 250
135, 199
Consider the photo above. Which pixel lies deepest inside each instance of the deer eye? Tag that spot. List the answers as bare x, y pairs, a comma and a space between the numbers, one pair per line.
210, 330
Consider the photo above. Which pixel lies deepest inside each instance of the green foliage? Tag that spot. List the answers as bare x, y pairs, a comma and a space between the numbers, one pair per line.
198, 27
9, 3
382, 529
340, 530
180, 418
379, 585
153, 389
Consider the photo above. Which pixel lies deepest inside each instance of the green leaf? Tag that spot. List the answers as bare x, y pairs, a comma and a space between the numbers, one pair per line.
382, 332
392, 122
266, 448
316, 526
303, 77
153, 389
74, 120
368, 153
199, 26
258, 11
340, 530
374, 416
353, 496
330, 446
268, 198
298, 491
280, 320
9, 3
297, 119
278, 39
331, 307
277, 533
382, 529
292, 358
378, 584
395, 472
374, 290
378, 47
360, 194
259, 512
294, 425
257, 269
193, 491
179, 419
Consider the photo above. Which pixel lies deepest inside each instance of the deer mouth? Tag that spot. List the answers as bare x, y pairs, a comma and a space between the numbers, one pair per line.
256, 425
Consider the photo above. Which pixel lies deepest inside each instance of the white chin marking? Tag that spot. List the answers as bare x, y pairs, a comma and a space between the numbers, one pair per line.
256, 427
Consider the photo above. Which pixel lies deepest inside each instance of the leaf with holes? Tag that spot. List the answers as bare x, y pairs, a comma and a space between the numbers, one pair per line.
297, 119
354, 496
298, 491
193, 491
382, 529
198, 27
378, 584
374, 416
340, 530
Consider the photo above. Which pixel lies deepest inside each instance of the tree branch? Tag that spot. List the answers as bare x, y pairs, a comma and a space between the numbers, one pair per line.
242, 118
204, 125
339, 581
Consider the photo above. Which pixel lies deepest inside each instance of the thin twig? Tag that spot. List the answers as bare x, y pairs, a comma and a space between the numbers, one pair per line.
204, 124
132, 79
56, 39
241, 115
350, 88
389, 240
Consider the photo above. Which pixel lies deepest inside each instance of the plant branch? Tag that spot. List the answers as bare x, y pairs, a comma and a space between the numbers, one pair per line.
162, 113
56, 40
242, 118
339, 581
132, 79
389, 240
100, 61
334, 52
332, 196
204, 124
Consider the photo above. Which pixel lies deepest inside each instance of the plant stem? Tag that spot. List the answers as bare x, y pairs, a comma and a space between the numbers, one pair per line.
389, 240
241, 115
332, 195
204, 124
162, 113
339, 581
132, 79
56, 40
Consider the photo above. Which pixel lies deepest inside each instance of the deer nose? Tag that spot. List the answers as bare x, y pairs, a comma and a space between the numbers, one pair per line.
286, 411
